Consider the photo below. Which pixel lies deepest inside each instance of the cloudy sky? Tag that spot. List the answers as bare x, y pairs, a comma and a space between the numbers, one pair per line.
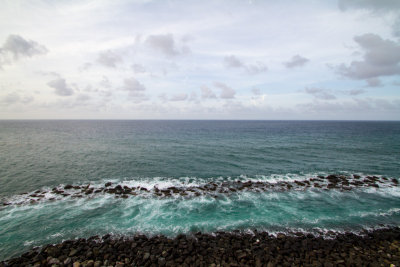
209, 59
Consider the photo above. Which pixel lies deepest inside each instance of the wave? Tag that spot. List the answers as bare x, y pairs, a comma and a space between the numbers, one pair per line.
308, 210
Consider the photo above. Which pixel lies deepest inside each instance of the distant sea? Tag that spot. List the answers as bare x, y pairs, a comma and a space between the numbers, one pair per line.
41, 155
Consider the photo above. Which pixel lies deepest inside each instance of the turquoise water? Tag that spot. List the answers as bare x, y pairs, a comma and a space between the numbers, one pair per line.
39, 155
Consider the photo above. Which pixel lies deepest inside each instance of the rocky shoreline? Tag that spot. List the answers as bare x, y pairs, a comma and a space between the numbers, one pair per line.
329, 182
375, 248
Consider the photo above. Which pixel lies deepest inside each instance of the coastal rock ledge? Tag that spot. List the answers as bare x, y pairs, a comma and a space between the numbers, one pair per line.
376, 248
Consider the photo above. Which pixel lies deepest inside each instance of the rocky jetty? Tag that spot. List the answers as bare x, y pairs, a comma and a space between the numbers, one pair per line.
375, 248
333, 181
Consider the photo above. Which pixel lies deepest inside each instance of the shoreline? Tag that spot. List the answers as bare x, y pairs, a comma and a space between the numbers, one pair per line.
374, 248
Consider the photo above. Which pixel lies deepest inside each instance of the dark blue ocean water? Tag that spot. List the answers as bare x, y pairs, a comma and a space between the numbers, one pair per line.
39, 155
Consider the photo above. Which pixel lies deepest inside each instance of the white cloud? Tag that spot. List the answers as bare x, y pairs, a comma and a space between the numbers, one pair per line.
95, 53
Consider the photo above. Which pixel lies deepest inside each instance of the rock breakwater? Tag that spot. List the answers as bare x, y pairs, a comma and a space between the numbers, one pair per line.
214, 188
375, 248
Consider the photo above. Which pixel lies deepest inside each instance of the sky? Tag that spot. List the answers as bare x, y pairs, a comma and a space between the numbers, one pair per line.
209, 59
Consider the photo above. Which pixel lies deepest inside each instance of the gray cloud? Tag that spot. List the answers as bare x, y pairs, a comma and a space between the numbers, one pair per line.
61, 87
381, 58
135, 90
179, 97
207, 93
165, 44
82, 98
256, 68
376, 6
233, 62
137, 68
256, 91
320, 93
355, 91
14, 98
163, 97
356, 108
226, 91
380, 5
296, 61
20, 47
109, 59
105, 82
193, 97
374, 82
133, 85
16, 47
396, 27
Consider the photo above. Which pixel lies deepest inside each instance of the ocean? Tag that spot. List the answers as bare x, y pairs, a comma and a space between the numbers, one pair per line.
38, 159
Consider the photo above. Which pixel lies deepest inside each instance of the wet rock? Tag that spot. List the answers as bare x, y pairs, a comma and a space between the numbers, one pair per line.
67, 261
52, 261
107, 184
161, 261
68, 186
72, 253
146, 256
89, 191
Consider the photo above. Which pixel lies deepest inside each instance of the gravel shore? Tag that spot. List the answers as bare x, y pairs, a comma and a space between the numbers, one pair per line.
374, 248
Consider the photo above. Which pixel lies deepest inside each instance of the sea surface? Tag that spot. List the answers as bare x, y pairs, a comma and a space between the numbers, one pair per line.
41, 155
